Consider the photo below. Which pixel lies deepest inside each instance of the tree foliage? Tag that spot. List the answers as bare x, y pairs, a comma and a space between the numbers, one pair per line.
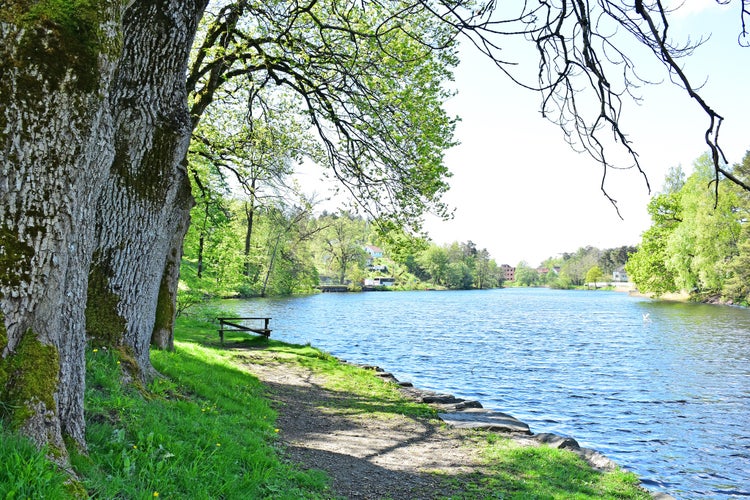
526, 275
295, 250
571, 269
697, 243
96, 116
594, 275
368, 79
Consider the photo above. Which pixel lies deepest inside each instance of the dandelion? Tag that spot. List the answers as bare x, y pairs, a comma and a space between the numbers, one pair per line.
276, 430
218, 444
135, 447
156, 494
95, 350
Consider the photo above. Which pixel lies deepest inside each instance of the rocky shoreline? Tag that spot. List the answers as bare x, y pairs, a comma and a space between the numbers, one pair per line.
469, 414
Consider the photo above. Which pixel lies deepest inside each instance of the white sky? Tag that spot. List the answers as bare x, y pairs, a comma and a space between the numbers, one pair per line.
521, 192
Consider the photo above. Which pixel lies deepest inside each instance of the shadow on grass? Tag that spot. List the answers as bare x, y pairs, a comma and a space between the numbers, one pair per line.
375, 444
368, 443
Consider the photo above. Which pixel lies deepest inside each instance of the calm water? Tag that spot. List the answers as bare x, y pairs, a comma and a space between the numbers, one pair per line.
667, 397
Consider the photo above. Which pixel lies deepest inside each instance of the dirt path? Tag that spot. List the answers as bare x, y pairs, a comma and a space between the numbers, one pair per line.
368, 457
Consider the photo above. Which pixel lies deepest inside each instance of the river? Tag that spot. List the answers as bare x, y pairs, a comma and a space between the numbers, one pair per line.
661, 388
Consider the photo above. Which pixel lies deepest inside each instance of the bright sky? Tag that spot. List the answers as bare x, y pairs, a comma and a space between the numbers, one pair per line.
521, 192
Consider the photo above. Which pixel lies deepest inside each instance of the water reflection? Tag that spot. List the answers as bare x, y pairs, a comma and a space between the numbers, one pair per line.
668, 398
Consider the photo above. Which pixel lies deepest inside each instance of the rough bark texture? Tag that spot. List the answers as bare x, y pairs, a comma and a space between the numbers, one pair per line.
55, 136
250, 217
166, 307
139, 209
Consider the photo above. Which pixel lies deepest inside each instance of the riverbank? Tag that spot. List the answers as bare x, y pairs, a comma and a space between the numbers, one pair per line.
686, 297
259, 418
670, 296
442, 453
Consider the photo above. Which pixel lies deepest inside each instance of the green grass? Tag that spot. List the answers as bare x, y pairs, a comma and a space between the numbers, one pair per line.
25, 472
522, 472
357, 389
203, 431
206, 430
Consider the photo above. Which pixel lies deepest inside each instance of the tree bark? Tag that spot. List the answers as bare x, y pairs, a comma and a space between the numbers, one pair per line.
166, 306
55, 149
142, 205
250, 217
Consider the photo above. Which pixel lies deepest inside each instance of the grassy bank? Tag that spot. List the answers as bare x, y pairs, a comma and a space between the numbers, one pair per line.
206, 430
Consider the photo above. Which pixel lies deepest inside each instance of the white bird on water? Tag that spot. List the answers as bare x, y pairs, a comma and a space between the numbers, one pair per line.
647, 317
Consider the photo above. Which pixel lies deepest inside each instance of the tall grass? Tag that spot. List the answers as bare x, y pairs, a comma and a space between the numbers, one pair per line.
25, 471
202, 431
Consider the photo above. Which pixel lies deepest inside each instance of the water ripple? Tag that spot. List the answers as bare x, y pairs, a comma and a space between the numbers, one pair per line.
668, 399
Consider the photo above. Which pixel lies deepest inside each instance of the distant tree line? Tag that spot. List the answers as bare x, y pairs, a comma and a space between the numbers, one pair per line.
568, 270
699, 240
286, 248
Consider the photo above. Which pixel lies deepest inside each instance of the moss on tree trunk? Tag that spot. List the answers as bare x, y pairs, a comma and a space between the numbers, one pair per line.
57, 60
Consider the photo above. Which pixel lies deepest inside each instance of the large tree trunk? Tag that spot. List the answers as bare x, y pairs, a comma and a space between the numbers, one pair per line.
139, 209
250, 217
55, 149
166, 307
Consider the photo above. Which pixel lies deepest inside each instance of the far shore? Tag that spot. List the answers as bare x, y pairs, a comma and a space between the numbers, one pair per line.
671, 296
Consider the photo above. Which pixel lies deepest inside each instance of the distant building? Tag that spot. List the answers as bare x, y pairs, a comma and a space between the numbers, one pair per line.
380, 281
543, 271
374, 252
619, 274
509, 272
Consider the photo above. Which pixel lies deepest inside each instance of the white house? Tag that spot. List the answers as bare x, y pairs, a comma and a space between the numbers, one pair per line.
380, 281
619, 274
374, 252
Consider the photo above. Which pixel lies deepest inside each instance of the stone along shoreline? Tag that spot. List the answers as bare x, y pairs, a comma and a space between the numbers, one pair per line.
470, 414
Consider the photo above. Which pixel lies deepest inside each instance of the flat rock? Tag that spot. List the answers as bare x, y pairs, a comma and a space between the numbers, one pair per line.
459, 406
556, 441
441, 399
593, 457
485, 420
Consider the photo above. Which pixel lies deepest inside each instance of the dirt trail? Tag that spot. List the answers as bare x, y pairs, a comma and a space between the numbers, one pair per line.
374, 455
368, 457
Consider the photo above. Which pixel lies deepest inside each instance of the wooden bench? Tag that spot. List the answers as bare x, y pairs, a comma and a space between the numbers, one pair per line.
237, 325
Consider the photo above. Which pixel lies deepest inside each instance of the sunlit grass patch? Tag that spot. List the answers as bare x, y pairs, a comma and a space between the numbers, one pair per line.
542, 472
204, 431
26, 472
